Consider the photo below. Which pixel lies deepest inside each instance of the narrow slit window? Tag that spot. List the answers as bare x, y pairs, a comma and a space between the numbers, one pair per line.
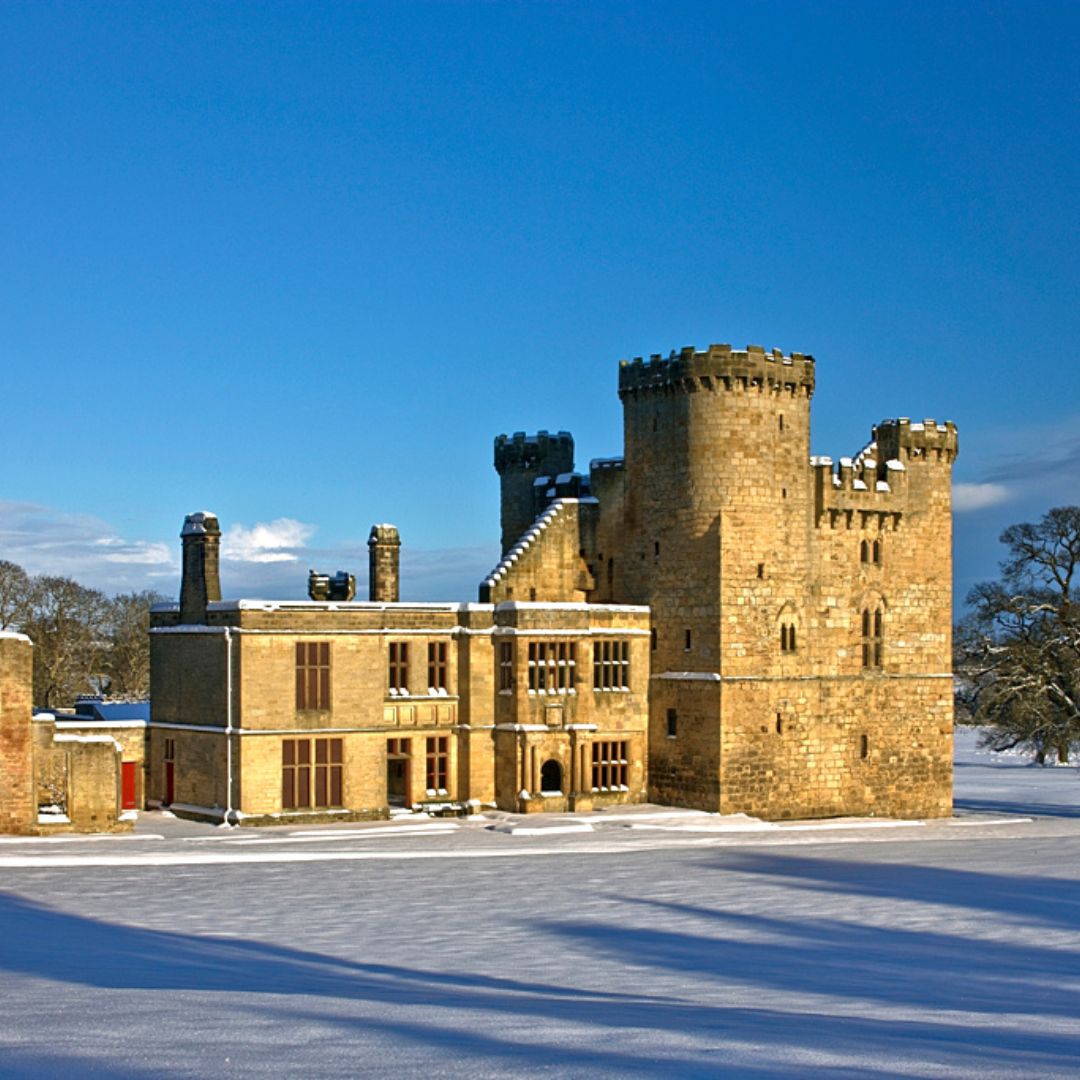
873, 637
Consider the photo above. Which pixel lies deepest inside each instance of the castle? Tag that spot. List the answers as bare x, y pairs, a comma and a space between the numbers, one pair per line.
714, 620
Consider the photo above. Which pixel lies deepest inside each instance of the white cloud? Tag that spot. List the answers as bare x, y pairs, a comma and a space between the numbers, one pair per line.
978, 496
277, 541
145, 552
44, 540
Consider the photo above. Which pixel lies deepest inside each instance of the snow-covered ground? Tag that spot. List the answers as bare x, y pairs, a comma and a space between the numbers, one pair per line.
636, 944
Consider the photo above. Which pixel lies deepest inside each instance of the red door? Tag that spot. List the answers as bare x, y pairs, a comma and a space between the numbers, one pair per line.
170, 789
127, 785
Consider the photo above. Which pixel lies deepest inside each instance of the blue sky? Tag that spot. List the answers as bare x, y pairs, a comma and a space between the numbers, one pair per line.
300, 263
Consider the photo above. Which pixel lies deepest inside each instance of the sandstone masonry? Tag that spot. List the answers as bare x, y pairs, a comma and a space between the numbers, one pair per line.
713, 620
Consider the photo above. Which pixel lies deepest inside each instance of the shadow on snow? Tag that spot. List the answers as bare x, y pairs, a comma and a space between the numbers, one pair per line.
707, 959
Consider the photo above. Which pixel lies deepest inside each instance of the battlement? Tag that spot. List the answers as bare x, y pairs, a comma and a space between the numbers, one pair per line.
606, 465
554, 453
902, 440
719, 366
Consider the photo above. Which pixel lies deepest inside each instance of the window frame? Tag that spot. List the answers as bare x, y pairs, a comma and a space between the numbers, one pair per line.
313, 685
610, 765
398, 668
437, 667
437, 765
611, 664
313, 776
552, 666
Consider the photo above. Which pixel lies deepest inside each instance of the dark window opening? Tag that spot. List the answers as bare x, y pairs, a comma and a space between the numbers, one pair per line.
551, 778
397, 771
779, 724
760, 569
611, 665
653, 637
687, 649
864, 747
873, 638
787, 637
609, 766
672, 723
552, 666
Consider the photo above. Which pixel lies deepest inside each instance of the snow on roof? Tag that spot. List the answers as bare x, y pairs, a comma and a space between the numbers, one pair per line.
197, 522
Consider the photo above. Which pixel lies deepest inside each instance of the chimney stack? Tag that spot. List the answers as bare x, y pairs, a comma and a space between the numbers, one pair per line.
384, 548
201, 581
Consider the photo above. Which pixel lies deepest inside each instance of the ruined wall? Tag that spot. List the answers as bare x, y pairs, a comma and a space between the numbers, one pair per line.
18, 804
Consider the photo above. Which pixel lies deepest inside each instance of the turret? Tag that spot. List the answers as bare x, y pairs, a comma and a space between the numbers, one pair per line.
904, 441
201, 581
384, 559
529, 466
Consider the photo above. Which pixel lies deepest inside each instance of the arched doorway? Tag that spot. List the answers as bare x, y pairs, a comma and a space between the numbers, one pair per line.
551, 778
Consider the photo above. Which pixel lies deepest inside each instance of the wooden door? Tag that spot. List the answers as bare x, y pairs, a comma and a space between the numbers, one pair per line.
127, 785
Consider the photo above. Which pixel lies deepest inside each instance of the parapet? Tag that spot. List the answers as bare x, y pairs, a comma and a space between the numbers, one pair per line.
902, 439
720, 366
554, 453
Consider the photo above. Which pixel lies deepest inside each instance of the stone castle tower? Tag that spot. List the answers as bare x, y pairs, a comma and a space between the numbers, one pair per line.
528, 465
801, 614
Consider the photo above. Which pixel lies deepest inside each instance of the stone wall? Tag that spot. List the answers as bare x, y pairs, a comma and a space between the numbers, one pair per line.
18, 805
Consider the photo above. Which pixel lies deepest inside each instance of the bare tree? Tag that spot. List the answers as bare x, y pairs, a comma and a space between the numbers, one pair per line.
127, 659
68, 624
14, 596
1018, 651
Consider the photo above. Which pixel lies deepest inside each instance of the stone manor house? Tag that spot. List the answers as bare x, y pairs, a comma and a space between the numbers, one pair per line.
713, 620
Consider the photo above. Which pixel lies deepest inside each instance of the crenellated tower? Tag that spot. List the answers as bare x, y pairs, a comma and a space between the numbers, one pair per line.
528, 467
801, 632
717, 532
717, 451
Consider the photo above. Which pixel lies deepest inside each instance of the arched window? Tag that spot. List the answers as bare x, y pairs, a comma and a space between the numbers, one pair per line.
788, 622
877, 553
864, 551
